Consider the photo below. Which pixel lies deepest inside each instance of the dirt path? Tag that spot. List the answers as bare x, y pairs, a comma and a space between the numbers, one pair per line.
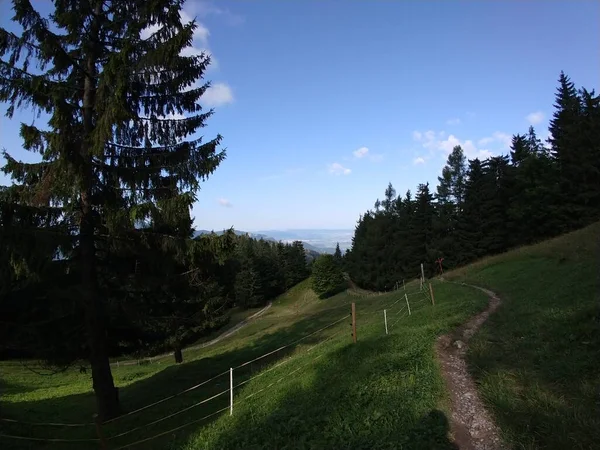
220, 337
232, 330
470, 423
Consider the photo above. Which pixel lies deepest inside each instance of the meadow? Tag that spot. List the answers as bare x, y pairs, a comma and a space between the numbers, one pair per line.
385, 391
537, 359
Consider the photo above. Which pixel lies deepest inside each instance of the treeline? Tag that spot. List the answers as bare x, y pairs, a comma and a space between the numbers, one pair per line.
485, 207
155, 302
263, 270
96, 249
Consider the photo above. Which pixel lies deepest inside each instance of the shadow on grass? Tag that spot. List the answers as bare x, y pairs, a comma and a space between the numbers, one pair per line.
151, 387
377, 394
381, 393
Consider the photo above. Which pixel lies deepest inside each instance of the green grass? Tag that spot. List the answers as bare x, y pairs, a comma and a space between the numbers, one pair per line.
537, 359
384, 392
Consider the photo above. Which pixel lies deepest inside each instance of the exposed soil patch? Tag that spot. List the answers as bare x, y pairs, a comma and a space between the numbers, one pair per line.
470, 423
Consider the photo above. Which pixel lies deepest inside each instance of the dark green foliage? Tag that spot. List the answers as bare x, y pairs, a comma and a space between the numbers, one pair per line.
575, 133
338, 253
327, 277
487, 207
266, 270
107, 204
537, 359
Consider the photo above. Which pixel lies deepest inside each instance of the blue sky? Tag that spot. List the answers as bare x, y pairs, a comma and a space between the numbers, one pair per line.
321, 103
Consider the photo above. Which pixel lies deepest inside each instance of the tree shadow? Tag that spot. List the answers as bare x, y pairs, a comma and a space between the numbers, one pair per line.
358, 398
159, 385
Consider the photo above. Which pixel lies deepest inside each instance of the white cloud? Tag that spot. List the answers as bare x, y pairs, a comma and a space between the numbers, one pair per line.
361, 152
149, 31
485, 154
225, 203
418, 160
203, 9
201, 33
455, 121
498, 138
338, 169
197, 51
503, 138
535, 118
218, 94
545, 142
175, 116
438, 142
199, 39
364, 152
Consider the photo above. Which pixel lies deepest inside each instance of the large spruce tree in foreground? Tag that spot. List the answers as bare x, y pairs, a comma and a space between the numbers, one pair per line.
120, 165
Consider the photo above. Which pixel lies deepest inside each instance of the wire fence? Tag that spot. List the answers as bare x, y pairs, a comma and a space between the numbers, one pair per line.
403, 306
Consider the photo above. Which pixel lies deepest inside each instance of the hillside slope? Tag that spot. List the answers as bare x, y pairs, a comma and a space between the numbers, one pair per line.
537, 360
300, 382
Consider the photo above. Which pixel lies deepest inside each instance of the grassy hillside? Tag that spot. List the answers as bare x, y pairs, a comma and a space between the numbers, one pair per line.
322, 391
537, 359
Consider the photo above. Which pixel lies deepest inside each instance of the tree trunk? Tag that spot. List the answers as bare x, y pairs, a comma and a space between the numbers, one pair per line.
107, 400
178, 355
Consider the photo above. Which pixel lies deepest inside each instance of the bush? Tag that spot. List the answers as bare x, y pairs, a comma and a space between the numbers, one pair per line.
327, 276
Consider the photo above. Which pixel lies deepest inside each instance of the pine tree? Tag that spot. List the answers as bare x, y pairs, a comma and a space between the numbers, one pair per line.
337, 254
423, 228
115, 159
496, 193
566, 149
519, 149
327, 276
450, 200
589, 167
471, 220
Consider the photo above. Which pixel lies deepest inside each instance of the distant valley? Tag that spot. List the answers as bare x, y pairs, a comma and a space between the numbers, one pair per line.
317, 240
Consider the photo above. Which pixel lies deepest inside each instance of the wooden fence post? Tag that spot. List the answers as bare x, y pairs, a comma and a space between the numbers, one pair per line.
354, 322
99, 432
407, 304
431, 292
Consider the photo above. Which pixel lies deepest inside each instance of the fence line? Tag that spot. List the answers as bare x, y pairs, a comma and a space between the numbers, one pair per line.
220, 410
280, 379
293, 342
396, 321
49, 424
169, 416
24, 438
172, 430
165, 399
285, 361
221, 374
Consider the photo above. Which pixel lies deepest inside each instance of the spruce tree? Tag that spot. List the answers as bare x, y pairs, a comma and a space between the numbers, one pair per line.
423, 228
472, 217
519, 149
590, 167
116, 158
337, 254
327, 277
566, 149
